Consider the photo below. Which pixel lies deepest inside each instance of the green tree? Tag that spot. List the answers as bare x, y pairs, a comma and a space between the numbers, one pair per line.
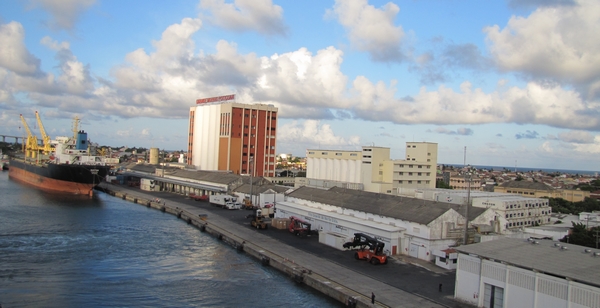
442, 184
581, 235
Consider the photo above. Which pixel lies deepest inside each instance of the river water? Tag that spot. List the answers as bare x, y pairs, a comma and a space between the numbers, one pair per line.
69, 251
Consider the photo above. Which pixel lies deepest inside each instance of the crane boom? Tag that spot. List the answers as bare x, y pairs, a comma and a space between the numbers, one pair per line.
47, 148
31, 145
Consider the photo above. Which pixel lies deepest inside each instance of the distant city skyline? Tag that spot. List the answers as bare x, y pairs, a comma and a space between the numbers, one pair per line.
510, 80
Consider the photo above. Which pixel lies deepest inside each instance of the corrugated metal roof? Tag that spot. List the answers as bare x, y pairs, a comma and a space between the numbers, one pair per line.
572, 263
259, 189
407, 209
208, 176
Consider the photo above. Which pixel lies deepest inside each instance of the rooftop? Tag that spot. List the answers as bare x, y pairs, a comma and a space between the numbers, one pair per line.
574, 262
407, 209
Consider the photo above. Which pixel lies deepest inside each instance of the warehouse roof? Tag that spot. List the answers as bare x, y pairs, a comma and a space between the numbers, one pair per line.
577, 263
408, 209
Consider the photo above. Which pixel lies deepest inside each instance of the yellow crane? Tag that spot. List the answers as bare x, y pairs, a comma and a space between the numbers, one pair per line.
47, 148
31, 145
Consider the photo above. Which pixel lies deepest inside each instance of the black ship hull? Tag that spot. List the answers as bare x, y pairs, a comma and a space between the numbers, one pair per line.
66, 178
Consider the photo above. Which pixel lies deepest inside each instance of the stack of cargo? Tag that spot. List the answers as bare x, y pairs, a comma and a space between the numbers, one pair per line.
280, 223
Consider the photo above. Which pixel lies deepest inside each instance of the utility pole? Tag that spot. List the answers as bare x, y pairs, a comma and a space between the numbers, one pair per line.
467, 173
251, 180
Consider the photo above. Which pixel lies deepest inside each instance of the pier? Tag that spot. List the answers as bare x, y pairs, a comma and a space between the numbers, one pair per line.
349, 287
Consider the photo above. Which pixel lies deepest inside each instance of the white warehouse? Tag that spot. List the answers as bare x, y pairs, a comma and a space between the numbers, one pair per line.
528, 273
407, 226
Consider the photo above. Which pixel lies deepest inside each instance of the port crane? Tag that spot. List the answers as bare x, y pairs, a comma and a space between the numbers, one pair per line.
370, 249
31, 143
47, 148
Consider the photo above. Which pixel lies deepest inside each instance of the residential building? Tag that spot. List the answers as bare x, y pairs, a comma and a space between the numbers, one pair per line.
225, 135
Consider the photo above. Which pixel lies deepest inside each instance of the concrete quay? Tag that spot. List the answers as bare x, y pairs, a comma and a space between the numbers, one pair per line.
351, 288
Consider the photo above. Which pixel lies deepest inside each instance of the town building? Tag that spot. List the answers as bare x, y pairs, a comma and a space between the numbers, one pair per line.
514, 212
371, 169
528, 273
229, 136
540, 190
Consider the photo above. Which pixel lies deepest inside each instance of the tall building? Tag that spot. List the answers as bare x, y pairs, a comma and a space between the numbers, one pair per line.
373, 169
225, 135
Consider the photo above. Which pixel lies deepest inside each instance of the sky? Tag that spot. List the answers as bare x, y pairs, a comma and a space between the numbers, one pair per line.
495, 83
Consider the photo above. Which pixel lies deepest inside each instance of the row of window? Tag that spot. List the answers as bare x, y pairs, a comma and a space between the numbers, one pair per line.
411, 181
266, 147
525, 223
418, 166
515, 215
518, 206
418, 173
520, 192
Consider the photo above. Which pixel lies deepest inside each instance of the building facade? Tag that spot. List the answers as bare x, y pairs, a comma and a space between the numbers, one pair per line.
373, 169
528, 273
229, 136
540, 190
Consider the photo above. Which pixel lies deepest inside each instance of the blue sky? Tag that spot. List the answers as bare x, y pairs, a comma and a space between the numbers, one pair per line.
516, 82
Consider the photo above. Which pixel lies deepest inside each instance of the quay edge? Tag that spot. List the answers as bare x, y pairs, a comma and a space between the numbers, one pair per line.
300, 271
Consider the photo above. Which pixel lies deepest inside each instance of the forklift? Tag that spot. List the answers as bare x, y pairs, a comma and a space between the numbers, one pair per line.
258, 221
370, 249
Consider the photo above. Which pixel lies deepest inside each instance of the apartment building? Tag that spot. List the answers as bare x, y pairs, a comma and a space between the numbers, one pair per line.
229, 136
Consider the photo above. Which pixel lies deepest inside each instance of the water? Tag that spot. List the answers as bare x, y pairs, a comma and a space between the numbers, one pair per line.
66, 251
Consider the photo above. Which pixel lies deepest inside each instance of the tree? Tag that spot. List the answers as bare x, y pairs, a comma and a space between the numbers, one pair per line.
581, 235
442, 184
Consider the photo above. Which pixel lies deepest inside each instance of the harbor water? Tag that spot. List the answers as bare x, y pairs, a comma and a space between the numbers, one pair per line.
77, 251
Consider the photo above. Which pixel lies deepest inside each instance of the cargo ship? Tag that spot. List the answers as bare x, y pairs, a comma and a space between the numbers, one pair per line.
62, 165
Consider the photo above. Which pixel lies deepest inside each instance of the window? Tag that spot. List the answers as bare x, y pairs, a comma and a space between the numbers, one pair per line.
418, 182
410, 173
338, 154
380, 172
420, 166
419, 174
410, 166
352, 154
400, 182
366, 156
311, 152
400, 173
323, 153
367, 150
409, 182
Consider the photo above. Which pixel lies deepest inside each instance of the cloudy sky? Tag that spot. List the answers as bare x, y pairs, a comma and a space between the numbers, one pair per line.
516, 82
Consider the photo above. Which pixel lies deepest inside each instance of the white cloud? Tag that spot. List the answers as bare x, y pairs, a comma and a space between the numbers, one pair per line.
14, 55
559, 44
313, 133
581, 137
371, 29
65, 13
243, 15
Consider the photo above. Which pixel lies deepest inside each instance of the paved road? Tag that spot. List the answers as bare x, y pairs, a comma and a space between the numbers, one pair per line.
408, 274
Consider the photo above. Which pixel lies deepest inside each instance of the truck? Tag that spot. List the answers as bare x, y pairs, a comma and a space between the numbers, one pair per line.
258, 220
225, 201
299, 227
193, 196
369, 248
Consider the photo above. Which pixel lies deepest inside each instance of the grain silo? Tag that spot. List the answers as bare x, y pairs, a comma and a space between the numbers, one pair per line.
154, 156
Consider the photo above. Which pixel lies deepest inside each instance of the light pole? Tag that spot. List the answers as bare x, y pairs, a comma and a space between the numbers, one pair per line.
251, 178
466, 235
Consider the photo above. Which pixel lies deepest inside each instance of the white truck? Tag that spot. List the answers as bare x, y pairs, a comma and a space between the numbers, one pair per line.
225, 201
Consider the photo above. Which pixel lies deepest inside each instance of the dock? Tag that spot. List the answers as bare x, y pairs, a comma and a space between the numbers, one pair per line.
349, 287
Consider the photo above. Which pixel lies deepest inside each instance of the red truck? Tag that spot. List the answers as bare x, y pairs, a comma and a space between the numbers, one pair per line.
198, 197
